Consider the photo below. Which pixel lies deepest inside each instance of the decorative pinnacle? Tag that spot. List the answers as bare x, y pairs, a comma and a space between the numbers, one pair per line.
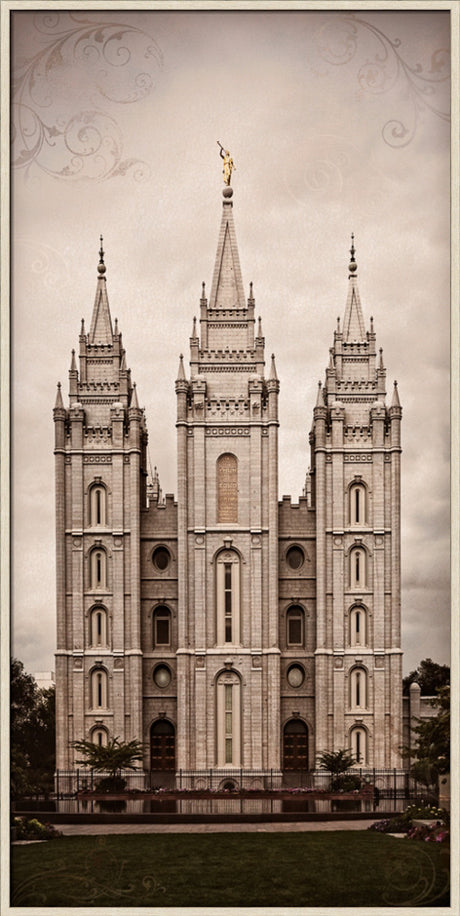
101, 266
203, 290
352, 267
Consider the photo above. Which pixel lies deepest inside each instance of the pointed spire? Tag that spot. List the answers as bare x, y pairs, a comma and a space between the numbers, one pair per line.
134, 400
331, 358
259, 327
73, 364
194, 328
395, 402
115, 330
353, 322
59, 402
82, 329
319, 397
123, 362
273, 376
227, 282
181, 371
381, 358
101, 323
203, 290
251, 294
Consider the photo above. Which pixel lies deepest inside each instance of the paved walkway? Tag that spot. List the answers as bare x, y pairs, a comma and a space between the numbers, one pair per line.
282, 827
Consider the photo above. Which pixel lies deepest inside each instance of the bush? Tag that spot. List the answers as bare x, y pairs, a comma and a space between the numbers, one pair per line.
345, 783
111, 784
34, 830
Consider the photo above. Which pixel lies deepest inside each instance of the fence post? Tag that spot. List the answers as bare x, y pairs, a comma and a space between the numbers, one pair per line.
271, 778
57, 783
78, 781
394, 785
180, 778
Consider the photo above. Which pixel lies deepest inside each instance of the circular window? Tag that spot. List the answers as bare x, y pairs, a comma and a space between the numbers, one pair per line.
162, 676
161, 558
295, 675
295, 557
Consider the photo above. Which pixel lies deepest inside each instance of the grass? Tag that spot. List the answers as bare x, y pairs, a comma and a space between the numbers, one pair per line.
337, 868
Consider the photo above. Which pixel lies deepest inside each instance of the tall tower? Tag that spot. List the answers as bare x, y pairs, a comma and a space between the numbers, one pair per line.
100, 455
227, 428
356, 451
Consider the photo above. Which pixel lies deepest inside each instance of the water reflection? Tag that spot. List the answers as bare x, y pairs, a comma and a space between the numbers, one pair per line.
221, 806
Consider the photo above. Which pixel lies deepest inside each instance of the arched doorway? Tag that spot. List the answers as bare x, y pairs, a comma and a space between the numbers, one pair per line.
295, 745
162, 745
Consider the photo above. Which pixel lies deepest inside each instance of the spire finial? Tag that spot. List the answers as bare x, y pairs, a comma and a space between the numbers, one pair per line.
101, 266
352, 267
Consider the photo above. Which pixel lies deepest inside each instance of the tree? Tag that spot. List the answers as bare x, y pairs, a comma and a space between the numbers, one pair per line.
32, 729
432, 746
337, 763
429, 676
111, 758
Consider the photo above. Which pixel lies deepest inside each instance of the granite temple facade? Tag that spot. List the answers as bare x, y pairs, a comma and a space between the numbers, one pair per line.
226, 629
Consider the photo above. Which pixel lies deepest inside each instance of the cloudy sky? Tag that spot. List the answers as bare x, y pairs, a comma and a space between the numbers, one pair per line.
336, 123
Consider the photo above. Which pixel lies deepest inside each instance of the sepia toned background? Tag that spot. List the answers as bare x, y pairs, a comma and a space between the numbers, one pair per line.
337, 122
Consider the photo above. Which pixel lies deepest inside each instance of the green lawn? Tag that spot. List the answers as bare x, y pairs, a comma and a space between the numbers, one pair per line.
343, 868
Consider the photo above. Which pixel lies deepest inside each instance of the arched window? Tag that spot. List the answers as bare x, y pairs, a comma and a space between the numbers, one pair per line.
98, 505
99, 688
98, 568
358, 572
228, 701
98, 627
295, 626
227, 489
358, 743
228, 598
358, 688
161, 627
357, 507
358, 627
99, 737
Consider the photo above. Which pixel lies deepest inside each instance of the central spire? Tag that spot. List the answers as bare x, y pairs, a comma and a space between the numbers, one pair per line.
101, 331
353, 322
227, 282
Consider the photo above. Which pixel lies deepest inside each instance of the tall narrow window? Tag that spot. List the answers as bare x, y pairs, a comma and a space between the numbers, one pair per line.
98, 505
228, 724
98, 627
227, 489
358, 627
358, 741
228, 598
99, 737
228, 701
358, 568
98, 685
358, 688
228, 601
295, 626
98, 568
358, 504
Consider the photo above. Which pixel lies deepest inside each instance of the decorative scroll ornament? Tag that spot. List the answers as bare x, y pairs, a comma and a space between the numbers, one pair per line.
338, 43
105, 61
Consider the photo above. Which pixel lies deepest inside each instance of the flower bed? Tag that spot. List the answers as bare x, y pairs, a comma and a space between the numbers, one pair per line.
436, 830
24, 829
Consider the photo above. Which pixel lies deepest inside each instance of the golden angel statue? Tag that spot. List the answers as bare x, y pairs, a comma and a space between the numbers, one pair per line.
229, 165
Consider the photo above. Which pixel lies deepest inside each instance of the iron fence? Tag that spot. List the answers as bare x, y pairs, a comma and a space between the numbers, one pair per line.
381, 783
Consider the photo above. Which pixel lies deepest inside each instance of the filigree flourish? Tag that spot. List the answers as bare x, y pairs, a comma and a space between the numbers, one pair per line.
413, 879
86, 884
338, 43
88, 144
